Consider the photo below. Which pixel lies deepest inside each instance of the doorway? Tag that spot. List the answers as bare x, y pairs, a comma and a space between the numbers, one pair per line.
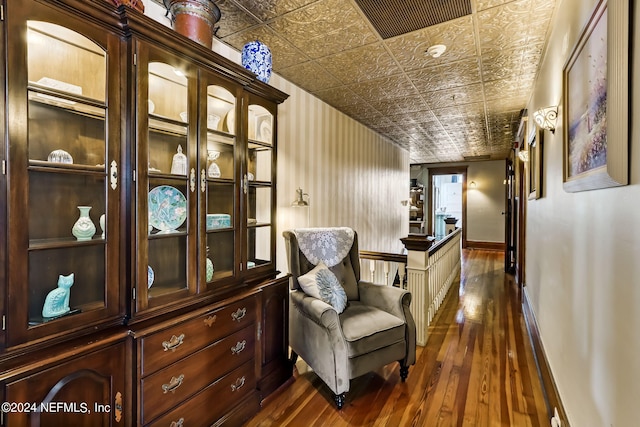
447, 199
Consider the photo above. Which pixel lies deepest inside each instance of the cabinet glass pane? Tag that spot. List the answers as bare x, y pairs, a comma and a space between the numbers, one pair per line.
259, 163
221, 110
221, 253
167, 106
87, 291
220, 156
221, 188
168, 271
259, 225
62, 135
258, 246
54, 199
167, 237
168, 145
64, 61
260, 124
67, 182
167, 92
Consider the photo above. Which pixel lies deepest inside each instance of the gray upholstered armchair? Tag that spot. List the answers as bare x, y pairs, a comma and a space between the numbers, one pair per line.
376, 327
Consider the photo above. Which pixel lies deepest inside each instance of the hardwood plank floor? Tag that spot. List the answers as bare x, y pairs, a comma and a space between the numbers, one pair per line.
477, 368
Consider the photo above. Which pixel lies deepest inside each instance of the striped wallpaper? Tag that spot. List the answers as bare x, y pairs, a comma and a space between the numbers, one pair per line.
354, 177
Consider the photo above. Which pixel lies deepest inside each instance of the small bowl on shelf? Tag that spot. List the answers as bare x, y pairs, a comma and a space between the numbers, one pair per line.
60, 156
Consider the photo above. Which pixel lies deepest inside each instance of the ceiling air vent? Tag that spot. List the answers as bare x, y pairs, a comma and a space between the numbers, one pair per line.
391, 18
477, 158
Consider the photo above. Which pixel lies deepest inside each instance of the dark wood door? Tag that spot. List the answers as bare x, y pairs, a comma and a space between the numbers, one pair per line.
275, 367
510, 220
88, 390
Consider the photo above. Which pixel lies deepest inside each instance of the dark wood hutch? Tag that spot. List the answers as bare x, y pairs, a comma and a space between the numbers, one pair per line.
176, 313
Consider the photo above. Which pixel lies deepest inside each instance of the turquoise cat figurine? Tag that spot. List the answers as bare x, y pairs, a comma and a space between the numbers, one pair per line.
57, 301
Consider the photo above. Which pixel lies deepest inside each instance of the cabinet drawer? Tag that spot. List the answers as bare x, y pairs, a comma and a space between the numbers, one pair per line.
214, 401
179, 341
175, 383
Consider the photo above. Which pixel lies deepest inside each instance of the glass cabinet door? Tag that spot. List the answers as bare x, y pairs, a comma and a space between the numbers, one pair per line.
64, 153
218, 158
259, 186
166, 178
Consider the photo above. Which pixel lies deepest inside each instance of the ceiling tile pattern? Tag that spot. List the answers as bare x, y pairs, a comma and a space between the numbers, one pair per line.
466, 102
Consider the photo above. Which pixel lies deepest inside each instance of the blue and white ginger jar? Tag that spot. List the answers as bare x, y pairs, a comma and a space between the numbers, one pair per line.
256, 57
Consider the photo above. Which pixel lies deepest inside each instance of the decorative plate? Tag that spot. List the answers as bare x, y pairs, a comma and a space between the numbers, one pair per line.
230, 121
213, 121
167, 208
150, 276
265, 131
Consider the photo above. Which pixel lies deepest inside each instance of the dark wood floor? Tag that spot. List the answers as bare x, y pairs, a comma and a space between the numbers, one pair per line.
476, 370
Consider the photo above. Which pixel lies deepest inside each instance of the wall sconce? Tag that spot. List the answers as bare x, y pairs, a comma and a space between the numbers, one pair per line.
546, 118
523, 155
473, 184
299, 201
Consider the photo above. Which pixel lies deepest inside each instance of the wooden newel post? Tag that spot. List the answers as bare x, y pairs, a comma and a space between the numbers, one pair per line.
418, 282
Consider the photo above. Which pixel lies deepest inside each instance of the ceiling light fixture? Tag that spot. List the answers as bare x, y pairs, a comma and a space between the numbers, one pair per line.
436, 50
546, 118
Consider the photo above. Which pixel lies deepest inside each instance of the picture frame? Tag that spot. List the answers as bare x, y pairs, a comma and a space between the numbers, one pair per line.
534, 165
595, 121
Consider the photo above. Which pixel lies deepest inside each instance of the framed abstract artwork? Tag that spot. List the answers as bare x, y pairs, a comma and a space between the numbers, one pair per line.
595, 102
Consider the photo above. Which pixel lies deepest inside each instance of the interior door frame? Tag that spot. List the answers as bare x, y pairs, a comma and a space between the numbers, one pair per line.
448, 170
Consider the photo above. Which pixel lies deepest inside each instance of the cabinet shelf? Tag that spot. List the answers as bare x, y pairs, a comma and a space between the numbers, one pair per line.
259, 184
167, 126
258, 224
83, 308
258, 145
159, 291
45, 166
220, 181
228, 138
219, 230
66, 101
166, 235
168, 176
71, 242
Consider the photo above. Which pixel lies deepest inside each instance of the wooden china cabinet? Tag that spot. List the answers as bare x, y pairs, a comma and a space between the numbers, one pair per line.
138, 169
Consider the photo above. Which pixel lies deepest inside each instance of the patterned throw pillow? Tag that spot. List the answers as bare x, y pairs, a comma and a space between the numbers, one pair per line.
308, 282
330, 290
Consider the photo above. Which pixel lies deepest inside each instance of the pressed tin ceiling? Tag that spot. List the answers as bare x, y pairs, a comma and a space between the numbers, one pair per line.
463, 104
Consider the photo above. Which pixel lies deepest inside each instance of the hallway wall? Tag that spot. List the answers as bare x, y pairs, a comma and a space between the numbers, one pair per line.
582, 258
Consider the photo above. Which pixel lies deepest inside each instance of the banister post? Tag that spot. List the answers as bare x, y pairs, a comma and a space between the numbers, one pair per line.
418, 282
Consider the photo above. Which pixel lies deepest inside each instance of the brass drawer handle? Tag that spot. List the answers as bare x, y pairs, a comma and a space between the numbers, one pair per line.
238, 385
173, 343
118, 407
239, 314
173, 384
210, 320
237, 349
178, 423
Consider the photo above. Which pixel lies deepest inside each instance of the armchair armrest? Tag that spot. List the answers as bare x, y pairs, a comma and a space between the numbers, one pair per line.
316, 335
386, 298
395, 301
316, 310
